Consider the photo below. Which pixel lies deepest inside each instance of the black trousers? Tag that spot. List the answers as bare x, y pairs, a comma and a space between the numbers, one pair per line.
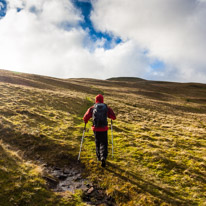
101, 141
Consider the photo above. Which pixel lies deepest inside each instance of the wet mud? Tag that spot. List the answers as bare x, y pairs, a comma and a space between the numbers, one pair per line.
71, 179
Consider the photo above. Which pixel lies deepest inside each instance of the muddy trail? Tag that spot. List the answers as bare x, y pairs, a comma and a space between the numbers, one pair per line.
71, 179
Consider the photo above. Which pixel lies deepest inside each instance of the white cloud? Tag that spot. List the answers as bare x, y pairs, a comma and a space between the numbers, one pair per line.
172, 31
49, 11
34, 40
59, 11
13, 4
30, 45
125, 59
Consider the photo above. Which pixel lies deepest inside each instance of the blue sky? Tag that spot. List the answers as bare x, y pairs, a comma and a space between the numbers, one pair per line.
2, 8
162, 40
86, 8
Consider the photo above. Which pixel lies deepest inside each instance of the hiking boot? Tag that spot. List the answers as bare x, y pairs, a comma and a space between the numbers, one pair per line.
103, 163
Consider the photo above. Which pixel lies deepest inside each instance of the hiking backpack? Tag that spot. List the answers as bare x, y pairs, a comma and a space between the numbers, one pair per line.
100, 115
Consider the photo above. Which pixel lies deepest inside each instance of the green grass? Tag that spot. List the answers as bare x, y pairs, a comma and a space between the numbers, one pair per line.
159, 143
22, 183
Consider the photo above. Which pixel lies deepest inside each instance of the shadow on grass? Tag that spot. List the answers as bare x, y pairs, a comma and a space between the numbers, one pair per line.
41, 147
168, 196
19, 182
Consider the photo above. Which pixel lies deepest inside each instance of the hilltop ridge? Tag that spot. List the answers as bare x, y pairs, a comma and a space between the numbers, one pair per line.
126, 79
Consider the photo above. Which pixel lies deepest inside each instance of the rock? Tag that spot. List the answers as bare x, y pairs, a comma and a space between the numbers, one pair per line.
102, 204
89, 185
76, 178
74, 172
62, 177
56, 168
78, 186
90, 190
84, 188
52, 182
67, 171
100, 198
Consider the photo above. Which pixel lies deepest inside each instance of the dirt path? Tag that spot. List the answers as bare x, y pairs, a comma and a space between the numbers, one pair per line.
70, 179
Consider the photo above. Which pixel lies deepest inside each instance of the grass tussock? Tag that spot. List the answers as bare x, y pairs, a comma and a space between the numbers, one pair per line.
159, 139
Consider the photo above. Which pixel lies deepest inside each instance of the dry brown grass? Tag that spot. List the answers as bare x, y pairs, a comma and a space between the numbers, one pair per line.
159, 134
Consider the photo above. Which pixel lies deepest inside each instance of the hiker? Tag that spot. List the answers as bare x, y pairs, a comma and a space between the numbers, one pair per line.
99, 112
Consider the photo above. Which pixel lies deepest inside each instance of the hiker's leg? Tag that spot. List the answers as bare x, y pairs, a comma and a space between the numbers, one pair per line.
97, 141
103, 145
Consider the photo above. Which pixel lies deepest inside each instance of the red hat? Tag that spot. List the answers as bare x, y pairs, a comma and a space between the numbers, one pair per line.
99, 99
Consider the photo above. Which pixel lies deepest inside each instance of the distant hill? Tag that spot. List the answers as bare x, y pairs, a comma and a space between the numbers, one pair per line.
159, 141
128, 79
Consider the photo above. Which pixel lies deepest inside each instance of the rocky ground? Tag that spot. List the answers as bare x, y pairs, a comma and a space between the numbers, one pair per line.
71, 179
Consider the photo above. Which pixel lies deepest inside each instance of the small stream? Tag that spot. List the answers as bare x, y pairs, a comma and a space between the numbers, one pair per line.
70, 179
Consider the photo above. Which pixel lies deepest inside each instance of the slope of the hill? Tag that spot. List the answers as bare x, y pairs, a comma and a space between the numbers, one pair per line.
159, 139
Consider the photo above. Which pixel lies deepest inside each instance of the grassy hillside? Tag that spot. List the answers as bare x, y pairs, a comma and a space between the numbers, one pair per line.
159, 139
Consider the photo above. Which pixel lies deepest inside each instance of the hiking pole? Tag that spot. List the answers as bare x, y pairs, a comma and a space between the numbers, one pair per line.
112, 140
82, 141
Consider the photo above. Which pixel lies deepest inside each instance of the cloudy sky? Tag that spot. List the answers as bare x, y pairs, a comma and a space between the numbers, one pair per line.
151, 39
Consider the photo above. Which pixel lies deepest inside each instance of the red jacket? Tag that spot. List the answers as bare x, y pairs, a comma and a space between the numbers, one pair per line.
88, 114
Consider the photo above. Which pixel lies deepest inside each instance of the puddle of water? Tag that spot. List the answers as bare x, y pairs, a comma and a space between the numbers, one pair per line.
70, 179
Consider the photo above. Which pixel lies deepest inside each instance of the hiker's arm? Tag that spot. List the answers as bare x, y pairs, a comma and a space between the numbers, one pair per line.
87, 115
111, 114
